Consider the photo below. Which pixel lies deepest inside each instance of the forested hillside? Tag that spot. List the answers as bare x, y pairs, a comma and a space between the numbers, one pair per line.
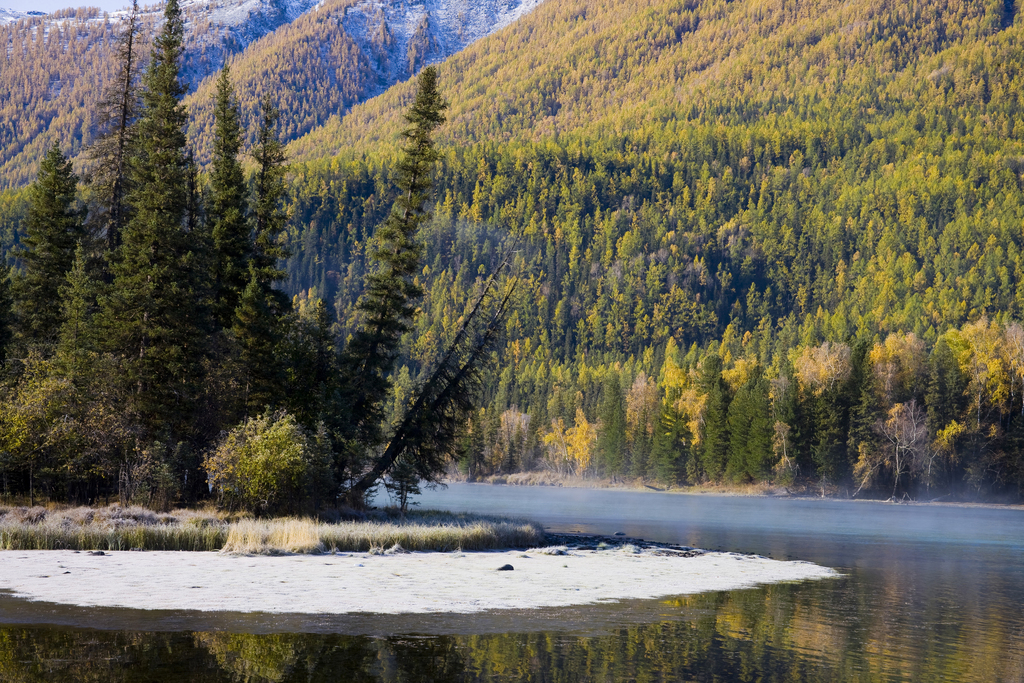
754, 241
759, 239
315, 59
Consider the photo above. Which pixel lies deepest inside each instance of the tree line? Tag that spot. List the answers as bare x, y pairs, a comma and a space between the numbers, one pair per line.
148, 351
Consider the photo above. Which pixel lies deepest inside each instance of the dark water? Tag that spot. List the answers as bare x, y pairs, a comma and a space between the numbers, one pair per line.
928, 594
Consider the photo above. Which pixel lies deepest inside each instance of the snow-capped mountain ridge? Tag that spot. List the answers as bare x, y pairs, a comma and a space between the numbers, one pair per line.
399, 37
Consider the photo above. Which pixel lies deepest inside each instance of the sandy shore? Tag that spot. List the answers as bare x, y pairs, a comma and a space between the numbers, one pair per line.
378, 584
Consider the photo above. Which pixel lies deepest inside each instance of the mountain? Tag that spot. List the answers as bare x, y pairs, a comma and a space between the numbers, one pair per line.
608, 67
316, 59
784, 187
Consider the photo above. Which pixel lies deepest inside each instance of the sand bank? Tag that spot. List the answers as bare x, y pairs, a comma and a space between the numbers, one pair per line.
378, 584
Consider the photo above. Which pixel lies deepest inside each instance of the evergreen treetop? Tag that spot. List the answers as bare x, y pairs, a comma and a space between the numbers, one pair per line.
388, 303
54, 228
230, 228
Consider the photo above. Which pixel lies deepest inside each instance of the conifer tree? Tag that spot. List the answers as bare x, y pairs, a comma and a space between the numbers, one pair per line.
78, 299
259, 314
6, 313
256, 332
268, 214
388, 304
312, 370
611, 443
715, 441
53, 230
750, 435
229, 225
113, 148
154, 313
669, 450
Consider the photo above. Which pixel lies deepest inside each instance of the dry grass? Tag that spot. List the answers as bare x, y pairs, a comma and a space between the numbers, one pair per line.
109, 528
425, 531
115, 528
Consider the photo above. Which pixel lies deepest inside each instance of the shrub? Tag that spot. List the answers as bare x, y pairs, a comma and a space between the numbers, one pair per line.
267, 464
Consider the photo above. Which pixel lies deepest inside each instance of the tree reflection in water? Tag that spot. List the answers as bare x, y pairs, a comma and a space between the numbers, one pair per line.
807, 632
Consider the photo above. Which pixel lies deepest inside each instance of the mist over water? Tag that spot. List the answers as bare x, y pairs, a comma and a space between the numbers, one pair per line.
928, 593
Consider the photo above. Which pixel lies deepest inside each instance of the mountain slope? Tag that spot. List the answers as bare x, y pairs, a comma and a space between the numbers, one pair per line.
776, 185
56, 67
316, 63
608, 67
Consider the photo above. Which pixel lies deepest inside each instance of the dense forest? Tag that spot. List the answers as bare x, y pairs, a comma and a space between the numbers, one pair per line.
148, 353
805, 268
753, 242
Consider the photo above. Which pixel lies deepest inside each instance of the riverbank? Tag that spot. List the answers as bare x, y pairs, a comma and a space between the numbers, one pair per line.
114, 528
394, 582
753, 490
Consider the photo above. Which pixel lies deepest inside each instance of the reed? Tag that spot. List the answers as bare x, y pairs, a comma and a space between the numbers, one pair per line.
109, 528
116, 528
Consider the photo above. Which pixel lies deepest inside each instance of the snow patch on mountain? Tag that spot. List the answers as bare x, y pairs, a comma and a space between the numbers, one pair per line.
399, 37
9, 16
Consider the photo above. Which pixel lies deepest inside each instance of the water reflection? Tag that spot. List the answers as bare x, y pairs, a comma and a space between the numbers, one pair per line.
827, 631
921, 599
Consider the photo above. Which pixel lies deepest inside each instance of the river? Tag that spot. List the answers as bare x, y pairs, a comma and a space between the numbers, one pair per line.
927, 593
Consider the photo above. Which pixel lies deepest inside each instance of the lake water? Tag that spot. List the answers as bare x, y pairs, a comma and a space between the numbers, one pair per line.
928, 593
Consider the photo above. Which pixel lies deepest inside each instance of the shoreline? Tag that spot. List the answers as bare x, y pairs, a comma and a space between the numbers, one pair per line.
357, 583
752, 491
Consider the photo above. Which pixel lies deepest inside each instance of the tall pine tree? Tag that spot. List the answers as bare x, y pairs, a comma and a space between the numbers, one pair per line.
227, 204
611, 443
715, 440
113, 147
258, 317
268, 250
53, 230
6, 313
388, 304
155, 311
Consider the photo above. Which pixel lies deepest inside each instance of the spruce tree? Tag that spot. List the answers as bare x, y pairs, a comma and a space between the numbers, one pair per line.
53, 230
759, 448
388, 303
114, 146
268, 213
669, 451
258, 317
739, 431
78, 300
6, 313
154, 313
229, 225
715, 440
611, 443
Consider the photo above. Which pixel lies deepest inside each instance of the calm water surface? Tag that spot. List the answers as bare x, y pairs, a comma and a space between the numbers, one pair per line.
928, 593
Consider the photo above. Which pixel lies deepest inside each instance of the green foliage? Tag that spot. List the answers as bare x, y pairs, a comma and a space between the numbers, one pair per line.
750, 434
155, 311
268, 463
611, 442
670, 451
6, 313
227, 205
114, 144
715, 441
53, 230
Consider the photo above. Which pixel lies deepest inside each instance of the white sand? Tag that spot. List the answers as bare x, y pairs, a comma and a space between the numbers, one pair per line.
381, 584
